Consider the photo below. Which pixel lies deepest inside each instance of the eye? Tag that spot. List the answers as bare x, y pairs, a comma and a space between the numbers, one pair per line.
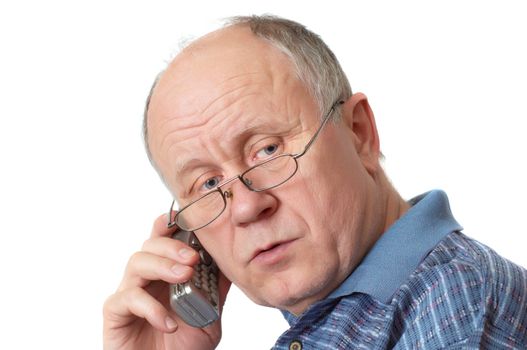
267, 151
211, 183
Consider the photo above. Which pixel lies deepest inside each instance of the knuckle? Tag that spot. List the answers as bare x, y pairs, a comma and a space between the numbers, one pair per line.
107, 306
160, 223
133, 297
161, 218
146, 245
135, 259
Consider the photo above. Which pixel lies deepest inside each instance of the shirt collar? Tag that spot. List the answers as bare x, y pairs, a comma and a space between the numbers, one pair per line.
401, 248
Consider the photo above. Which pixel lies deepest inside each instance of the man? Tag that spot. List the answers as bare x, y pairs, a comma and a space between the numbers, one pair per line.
275, 166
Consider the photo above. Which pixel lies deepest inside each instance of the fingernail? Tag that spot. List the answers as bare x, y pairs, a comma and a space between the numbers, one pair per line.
170, 323
186, 253
179, 270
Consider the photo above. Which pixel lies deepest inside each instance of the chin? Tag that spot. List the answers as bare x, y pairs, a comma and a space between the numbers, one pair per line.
293, 295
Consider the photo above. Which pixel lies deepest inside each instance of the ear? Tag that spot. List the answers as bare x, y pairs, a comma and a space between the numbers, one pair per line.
359, 118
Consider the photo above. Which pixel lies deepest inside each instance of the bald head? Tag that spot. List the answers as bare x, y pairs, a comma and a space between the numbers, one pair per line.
210, 64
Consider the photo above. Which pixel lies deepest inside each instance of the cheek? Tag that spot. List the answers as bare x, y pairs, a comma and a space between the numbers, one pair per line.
332, 197
339, 192
218, 242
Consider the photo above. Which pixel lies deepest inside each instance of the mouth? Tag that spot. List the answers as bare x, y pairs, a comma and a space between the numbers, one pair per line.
272, 253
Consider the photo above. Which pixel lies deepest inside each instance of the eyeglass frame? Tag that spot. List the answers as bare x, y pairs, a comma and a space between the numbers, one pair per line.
228, 194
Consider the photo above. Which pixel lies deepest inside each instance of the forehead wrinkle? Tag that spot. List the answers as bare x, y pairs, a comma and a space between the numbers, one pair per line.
203, 116
260, 121
166, 137
224, 102
232, 90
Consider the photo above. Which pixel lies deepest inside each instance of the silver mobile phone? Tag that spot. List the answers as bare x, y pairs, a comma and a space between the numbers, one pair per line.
197, 300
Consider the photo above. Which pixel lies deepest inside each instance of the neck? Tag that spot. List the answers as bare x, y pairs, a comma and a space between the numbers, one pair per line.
387, 207
393, 206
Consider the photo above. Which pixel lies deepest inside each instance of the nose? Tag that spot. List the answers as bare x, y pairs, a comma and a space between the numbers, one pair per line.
248, 206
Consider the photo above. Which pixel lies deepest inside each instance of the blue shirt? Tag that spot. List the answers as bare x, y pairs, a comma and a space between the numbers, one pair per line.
423, 285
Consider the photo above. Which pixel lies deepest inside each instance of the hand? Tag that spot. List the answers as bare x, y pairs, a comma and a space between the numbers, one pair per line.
138, 316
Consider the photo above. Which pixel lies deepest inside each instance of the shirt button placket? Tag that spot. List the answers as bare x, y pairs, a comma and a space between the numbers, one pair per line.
295, 345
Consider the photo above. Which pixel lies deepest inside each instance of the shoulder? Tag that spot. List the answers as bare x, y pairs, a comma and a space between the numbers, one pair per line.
471, 289
474, 260
504, 289
501, 281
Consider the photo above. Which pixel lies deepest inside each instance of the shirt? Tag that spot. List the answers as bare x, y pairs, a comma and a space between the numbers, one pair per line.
423, 285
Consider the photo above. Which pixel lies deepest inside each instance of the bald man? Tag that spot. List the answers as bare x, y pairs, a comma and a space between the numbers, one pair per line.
273, 162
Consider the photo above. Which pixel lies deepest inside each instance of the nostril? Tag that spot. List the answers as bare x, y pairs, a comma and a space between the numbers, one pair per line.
265, 213
262, 215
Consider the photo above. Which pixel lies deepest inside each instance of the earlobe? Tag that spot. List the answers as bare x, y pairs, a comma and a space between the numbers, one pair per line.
359, 118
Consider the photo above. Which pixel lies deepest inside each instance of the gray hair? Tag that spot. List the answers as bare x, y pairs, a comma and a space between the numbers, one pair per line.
316, 65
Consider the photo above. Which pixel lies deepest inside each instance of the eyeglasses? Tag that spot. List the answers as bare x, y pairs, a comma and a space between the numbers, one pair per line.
260, 177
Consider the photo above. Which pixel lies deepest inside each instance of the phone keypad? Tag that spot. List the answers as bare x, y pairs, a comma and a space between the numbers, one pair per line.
204, 277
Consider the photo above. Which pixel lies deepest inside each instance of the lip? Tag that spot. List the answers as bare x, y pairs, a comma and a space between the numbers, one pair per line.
272, 253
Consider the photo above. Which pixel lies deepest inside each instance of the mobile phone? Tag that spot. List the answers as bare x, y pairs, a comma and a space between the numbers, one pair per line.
197, 300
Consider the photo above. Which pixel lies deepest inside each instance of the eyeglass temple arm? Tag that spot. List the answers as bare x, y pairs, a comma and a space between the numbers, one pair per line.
324, 121
171, 223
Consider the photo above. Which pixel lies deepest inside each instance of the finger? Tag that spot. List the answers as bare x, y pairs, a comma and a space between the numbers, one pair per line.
124, 307
172, 249
160, 227
144, 267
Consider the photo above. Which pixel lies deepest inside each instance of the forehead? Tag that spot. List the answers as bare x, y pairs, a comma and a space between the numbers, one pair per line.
228, 83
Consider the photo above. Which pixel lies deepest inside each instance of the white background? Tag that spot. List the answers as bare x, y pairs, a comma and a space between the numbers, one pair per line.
447, 81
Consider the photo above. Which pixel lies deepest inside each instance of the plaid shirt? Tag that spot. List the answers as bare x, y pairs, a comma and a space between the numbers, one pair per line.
424, 285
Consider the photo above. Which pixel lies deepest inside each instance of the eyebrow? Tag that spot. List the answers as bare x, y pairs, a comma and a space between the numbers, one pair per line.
185, 165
